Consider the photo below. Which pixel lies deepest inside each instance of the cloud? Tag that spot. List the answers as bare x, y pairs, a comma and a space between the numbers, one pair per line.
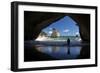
66, 30
50, 32
77, 33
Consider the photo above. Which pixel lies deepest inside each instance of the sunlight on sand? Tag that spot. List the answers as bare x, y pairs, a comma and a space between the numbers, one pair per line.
51, 39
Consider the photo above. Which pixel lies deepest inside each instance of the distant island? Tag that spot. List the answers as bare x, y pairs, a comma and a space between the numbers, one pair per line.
56, 36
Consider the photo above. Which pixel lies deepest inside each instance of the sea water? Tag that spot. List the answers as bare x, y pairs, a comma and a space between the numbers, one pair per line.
65, 38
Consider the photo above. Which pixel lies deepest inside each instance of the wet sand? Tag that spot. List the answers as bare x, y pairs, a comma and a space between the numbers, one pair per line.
33, 52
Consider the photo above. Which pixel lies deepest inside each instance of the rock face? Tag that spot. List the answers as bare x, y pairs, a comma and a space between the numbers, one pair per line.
83, 21
55, 33
34, 22
43, 34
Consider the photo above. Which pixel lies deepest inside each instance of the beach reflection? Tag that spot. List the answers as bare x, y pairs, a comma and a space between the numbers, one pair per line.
60, 52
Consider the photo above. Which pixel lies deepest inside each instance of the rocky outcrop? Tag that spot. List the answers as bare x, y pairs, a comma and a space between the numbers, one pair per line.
55, 33
83, 21
36, 21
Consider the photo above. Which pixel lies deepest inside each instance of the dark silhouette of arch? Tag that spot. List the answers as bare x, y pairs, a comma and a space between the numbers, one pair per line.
36, 21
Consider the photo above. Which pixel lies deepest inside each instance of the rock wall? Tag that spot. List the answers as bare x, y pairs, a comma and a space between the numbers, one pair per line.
34, 22
83, 21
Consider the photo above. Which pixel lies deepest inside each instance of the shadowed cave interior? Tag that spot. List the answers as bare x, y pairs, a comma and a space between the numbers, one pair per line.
34, 22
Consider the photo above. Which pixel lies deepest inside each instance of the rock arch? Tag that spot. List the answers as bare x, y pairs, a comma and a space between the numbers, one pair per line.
34, 22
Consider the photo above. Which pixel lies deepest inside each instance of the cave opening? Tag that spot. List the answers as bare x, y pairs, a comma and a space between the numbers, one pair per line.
60, 30
35, 22
40, 24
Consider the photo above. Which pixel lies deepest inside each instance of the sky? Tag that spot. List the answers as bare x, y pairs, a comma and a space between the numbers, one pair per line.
65, 26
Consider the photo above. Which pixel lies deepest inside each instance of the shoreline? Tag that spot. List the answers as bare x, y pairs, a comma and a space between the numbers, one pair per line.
55, 43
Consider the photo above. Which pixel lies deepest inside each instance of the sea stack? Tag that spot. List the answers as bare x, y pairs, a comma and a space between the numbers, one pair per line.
55, 33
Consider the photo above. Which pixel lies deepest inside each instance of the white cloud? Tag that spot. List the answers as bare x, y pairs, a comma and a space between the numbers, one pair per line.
77, 33
50, 32
66, 30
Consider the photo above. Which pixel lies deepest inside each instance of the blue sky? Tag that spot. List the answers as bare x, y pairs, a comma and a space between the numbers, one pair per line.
66, 27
